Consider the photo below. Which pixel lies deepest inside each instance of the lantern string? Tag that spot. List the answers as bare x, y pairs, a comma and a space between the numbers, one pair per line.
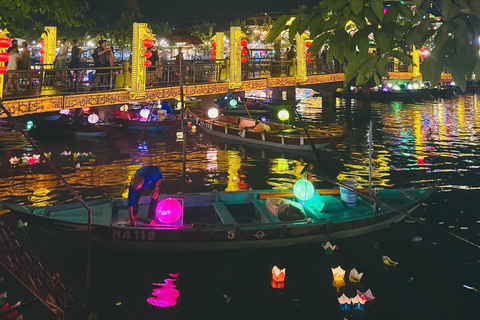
367, 197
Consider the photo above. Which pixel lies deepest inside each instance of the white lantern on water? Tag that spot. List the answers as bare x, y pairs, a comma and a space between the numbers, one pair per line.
93, 118
213, 113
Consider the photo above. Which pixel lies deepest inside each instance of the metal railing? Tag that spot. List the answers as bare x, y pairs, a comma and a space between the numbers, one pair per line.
393, 66
21, 83
194, 72
320, 66
266, 68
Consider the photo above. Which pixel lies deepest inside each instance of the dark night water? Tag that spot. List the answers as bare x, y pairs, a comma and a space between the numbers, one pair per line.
427, 284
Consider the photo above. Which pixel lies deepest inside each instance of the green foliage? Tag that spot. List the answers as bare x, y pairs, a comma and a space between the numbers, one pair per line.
395, 33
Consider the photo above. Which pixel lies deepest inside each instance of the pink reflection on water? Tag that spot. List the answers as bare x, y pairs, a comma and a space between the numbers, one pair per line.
166, 295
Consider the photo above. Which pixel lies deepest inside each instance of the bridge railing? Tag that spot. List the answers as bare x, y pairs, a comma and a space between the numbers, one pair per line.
22, 83
393, 66
320, 66
194, 72
266, 68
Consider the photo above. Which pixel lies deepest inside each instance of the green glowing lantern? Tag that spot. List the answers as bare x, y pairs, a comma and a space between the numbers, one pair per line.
233, 103
303, 190
283, 115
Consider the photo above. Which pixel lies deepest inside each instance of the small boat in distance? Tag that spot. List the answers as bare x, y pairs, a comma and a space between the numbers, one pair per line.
268, 134
135, 121
222, 220
66, 125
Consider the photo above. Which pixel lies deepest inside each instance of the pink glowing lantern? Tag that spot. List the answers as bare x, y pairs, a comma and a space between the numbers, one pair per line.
169, 212
166, 295
277, 274
420, 160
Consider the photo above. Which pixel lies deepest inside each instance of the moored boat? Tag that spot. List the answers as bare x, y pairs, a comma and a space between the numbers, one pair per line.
223, 220
267, 134
67, 125
133, 121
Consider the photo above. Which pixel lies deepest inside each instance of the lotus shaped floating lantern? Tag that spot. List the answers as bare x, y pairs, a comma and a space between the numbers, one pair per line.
354, 276
329, 248
344, 302
47, 155
338, 273
14, 160
389, 262
277, 274
358, 302
368, 295
66, 154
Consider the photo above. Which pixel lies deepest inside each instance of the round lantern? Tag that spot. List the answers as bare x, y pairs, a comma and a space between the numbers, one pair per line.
213, 51
168, 211
213, 113
213, 56
42, 43
5, 42
147, 63
283, 115
244, 43
144, 113
233, 103
41, 51
147, 54
244, 59
309, 53
303, 190
308, 44
244, 52
148, 43
213, 44
309, 59
41, 59
93, 118
4, 57
3, 70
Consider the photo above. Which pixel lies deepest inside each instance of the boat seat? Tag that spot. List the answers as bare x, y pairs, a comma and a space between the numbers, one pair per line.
223, 213
321, 204
265, 214
247, 123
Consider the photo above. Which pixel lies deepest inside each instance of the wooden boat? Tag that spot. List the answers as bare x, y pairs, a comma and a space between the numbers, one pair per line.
222, 220
66, 125
280, 136
132, 121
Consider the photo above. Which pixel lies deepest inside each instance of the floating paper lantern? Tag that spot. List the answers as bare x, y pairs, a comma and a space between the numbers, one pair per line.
278, 284
213, 113
144, 113
420, 160
169, 211
277, 274
14, 160
368, 295
389, 262
303, 190
124, 108
344, 302
338, 273
93, 118
354, 276
283, 115
329, 248
358, 303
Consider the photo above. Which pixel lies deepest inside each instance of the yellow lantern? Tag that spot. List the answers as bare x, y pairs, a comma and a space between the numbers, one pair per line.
283, 115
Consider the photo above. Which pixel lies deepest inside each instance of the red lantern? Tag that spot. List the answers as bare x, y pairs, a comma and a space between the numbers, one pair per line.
308, 44
213, 56
3, 70
41, 43
244, 52
213, 44
41, 51
5, 42
148, 43
147, 63
309, 59
244, 43
41, 59
147, 54
213, 51
244, 59
309, 53
4, 57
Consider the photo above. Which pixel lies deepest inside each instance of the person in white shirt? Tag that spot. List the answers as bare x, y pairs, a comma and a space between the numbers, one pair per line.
61, 61
13, 61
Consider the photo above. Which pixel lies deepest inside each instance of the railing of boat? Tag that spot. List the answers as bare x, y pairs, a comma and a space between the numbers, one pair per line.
37, 275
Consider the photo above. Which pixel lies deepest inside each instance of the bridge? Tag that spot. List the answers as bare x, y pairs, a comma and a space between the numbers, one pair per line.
47, 89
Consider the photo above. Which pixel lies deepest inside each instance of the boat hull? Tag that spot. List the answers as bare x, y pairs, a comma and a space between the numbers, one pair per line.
152, 126
226, 236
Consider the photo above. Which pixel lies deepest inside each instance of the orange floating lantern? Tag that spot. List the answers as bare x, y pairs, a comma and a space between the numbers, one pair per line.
147, 63
278, 284
277, 274
147, 54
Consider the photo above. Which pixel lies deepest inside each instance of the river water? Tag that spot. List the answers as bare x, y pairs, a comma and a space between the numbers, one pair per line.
424, 144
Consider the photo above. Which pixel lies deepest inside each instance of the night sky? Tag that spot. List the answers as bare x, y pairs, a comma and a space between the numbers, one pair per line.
178, 12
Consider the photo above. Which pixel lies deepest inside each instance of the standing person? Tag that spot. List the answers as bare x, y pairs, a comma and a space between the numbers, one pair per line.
148, 177
25, 56
112, 57
179, 58
75, 55
95, 55
61, 60
285, 54
13, 63
14, 45
154, 58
